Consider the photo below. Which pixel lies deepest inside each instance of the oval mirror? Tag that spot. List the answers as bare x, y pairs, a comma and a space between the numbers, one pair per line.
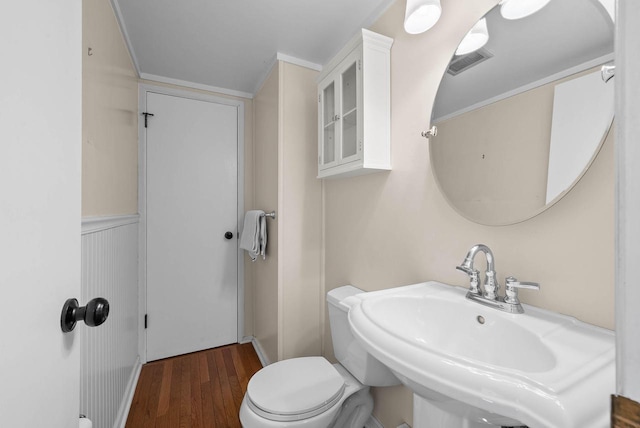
520, 119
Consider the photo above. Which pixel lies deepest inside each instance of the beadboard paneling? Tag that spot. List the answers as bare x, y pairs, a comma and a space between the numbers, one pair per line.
109, 353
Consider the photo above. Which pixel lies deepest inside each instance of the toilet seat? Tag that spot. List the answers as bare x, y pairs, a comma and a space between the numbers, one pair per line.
295, 389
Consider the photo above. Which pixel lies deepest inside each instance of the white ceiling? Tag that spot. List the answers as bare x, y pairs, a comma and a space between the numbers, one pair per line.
231, 44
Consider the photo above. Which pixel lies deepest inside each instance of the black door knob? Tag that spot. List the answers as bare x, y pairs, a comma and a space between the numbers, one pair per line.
96, 312
228, 235
93, 314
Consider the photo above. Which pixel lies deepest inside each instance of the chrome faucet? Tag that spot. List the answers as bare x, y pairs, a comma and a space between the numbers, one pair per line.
490, 285
508, 303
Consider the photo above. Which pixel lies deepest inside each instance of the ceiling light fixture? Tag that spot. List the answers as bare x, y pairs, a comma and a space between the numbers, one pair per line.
516, 9
421, 15
476, 38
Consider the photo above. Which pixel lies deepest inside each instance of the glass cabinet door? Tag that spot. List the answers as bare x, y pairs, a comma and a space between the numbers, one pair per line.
340, 115
349, 125
349, 83
329, 117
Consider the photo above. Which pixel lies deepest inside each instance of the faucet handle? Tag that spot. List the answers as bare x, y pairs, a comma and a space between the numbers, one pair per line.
513, 282
474, 281
465, 269
511, 289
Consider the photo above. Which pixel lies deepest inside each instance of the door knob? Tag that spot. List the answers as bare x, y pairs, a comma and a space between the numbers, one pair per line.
93, 314
228, 235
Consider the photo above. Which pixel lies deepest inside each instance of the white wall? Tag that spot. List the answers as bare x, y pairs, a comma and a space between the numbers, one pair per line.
109, 354
628, 199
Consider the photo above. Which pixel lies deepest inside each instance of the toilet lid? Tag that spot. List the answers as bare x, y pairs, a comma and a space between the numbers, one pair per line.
295, 389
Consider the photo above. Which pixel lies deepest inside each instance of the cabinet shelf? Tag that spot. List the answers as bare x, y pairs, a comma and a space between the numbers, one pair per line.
353, 110
351, 118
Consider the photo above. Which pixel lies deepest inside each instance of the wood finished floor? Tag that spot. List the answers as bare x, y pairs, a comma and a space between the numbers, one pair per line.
199, 390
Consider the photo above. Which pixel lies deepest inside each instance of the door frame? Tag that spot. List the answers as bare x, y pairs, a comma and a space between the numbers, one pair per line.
143, 89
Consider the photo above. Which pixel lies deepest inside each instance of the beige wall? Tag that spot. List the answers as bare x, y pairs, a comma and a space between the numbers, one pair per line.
301, 213
390, 229
493, 162
287, 299
506, 165
265, 272
109, 116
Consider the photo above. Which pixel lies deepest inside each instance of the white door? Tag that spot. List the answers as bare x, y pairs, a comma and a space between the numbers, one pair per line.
192, 269
40, 144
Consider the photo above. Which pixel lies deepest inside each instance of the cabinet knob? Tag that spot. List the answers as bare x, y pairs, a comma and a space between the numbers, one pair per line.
228, 235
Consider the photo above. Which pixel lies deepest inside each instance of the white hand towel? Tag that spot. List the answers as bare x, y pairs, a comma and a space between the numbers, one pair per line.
251, 233
263, 237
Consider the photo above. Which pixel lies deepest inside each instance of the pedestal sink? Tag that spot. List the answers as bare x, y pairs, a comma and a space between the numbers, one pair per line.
471, 365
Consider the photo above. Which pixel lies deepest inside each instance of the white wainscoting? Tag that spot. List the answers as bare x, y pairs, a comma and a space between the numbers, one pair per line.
109, 363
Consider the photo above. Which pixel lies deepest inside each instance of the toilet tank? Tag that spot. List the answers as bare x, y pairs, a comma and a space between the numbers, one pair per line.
362, 365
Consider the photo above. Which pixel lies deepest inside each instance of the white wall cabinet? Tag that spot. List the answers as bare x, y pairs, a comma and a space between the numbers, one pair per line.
354, 95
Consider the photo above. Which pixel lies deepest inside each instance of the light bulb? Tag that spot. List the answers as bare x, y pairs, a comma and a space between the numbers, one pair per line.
421, 15
516, 9
476, 38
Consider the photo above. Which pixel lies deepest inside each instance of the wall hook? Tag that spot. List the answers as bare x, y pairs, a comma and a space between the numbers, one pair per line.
607, 72
432, 132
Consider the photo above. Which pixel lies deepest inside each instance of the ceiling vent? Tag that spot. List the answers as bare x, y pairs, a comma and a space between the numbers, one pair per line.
465, 62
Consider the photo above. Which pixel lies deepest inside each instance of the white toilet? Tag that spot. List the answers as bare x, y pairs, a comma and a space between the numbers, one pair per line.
310, 392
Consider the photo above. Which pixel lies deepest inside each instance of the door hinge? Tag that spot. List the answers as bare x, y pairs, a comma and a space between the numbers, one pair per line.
359, 65
146, 116
319, 160
319, 98
145, 321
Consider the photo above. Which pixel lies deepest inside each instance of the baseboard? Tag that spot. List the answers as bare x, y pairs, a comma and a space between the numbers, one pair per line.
246, 339
127, 399
261, 354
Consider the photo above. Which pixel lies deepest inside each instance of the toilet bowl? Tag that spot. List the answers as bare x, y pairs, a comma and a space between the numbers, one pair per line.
311, 392
312, 398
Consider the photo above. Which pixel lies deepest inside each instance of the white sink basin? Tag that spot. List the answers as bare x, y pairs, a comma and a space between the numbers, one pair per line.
539, 369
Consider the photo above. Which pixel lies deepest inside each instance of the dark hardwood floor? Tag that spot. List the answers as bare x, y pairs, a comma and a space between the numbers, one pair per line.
199, 390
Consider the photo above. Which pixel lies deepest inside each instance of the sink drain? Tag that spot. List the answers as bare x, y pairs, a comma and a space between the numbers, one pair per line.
480, 319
